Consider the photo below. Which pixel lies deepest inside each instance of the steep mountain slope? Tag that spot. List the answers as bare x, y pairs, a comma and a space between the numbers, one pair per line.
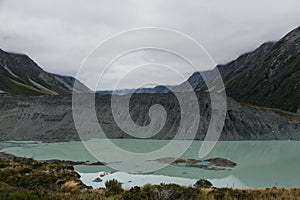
22, 76
268, 76
227, 71
273, 80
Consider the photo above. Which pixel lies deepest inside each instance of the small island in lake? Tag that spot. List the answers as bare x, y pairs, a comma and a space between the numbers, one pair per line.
207, 164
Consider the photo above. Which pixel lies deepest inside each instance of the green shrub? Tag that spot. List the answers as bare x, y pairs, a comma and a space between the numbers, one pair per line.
202, 183
113, 187
133, 194
17, 196
24, 170
37, 165
3, 165
150, 192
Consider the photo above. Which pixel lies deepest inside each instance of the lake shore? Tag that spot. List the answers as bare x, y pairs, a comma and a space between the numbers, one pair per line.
260, 164
25, 178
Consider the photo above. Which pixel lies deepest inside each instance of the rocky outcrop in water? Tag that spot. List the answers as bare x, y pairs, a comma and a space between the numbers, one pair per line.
215, 164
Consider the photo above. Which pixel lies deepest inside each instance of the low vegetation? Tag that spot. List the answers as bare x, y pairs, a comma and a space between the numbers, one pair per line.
23, 178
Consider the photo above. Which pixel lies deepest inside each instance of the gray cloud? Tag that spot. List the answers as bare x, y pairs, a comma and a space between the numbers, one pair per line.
59, 34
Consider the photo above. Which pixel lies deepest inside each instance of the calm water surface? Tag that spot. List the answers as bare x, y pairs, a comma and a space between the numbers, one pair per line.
259, 163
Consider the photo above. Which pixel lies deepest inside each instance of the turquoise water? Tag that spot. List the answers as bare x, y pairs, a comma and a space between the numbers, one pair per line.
205, 163
6, 144
23, 144
181, 164
259, 163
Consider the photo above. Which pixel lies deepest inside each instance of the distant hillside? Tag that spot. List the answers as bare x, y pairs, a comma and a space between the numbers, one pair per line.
20, 75
268, 76
125, 91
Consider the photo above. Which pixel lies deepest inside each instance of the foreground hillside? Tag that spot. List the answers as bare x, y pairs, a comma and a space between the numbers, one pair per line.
24, 178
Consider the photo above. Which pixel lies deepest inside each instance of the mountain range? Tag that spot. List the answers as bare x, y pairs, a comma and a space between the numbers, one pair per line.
263, 89
269, 76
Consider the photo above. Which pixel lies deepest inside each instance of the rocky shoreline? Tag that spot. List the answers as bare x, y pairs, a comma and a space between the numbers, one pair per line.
25, 178
10, 157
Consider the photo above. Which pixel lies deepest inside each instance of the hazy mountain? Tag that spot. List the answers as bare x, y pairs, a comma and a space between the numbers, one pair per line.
22, 76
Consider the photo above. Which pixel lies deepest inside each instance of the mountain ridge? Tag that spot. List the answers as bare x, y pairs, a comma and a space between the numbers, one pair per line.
269, 76
20, 75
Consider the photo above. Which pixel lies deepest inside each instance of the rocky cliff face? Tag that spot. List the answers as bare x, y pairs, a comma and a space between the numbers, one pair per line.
49, 118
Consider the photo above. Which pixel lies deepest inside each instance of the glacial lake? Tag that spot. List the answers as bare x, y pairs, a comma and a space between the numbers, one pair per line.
259, 163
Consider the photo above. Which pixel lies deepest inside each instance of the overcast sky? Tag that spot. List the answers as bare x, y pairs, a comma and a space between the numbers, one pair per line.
59, 34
